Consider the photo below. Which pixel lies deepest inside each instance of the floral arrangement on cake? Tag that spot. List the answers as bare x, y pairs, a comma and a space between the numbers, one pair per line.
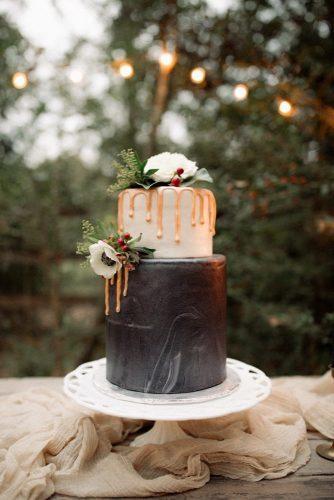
108, 251
165, 169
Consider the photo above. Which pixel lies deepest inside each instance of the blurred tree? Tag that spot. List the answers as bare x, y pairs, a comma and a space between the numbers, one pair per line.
273, 178
41, 211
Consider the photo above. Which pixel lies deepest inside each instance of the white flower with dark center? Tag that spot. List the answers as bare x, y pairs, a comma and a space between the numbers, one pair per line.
104, 260
167, 165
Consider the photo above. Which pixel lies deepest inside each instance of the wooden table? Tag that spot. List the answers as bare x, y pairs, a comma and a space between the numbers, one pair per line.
314, 481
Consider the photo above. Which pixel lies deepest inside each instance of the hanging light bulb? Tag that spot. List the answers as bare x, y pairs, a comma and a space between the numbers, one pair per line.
167, 61
240, 92
75, 75
126, 70
20, 80
197, 75
285, 108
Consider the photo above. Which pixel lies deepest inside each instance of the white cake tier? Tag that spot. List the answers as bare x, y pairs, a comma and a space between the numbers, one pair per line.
178, 222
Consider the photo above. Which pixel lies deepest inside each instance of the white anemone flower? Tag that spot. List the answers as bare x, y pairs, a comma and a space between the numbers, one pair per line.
104, 260
167, 165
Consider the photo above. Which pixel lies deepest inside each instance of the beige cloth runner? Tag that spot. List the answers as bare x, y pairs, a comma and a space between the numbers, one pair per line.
48, 444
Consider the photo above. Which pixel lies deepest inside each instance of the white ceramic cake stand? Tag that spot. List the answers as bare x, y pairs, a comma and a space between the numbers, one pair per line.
244, 387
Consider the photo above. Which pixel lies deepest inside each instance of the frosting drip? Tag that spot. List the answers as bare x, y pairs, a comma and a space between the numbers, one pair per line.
119, 292
197, 194
106, 297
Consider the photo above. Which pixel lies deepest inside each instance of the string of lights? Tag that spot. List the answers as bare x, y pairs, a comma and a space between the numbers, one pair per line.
167, 61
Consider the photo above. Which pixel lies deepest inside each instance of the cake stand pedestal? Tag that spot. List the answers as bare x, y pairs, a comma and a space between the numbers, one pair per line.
244, 387
163, 431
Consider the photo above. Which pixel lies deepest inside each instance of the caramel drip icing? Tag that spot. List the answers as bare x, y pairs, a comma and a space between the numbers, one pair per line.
206, 193
193, 209
201, 206
148, 196
178, 194
118, 290
160, 211
133, 193
109, 283
126, 282
212, 212
177, 217
200, 194
132, 204
106, 297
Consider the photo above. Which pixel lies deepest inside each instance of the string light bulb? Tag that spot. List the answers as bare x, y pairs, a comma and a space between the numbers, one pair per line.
285, 108
197, 75
167, 61
20, 80
240, 92
75, 75
126, 70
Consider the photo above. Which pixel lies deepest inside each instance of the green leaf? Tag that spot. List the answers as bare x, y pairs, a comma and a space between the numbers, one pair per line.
134, 240
135, 258
144, 164
141, 164
151, 172
145, 250
202, 175
146, 186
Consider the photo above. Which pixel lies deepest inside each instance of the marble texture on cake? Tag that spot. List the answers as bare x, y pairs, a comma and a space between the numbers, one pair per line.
178, 222
169, 336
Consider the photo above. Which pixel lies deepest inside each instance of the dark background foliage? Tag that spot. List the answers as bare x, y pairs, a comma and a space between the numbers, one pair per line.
273, 178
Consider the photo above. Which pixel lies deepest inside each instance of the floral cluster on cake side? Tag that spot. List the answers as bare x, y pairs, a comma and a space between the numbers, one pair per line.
107, 251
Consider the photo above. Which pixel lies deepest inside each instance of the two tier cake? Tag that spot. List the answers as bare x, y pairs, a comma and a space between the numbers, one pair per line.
165, 323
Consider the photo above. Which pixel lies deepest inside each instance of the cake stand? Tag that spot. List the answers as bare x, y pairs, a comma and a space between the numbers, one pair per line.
244, 387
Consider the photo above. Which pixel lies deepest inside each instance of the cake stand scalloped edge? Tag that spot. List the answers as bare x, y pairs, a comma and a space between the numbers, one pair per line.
254, 387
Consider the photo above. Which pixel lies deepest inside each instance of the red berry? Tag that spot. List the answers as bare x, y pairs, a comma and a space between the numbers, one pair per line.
176, 182
124, 248
180, 171
120, 241
127, 236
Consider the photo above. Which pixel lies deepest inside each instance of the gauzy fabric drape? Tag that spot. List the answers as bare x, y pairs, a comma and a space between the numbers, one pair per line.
50, 445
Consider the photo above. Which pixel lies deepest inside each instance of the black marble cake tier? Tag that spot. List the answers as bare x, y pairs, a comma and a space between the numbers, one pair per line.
169, 336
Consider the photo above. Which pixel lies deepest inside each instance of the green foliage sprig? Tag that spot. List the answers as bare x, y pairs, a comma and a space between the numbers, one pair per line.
92, 234
130, 172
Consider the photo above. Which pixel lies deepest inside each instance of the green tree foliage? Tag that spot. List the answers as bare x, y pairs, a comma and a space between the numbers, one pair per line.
273, 181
